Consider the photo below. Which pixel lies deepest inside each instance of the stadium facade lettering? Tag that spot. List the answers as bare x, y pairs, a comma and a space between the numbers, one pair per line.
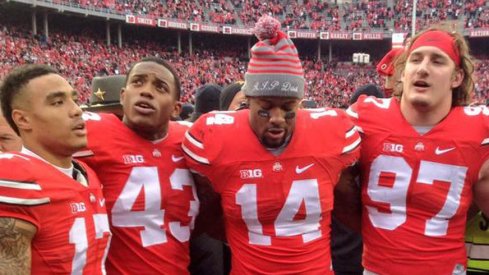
479, 33
199, 27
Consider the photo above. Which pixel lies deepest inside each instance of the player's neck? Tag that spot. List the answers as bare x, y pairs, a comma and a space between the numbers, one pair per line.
421, 116
151, 134
49, 157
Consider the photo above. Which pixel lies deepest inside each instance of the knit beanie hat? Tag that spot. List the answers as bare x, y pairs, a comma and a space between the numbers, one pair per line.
275, 68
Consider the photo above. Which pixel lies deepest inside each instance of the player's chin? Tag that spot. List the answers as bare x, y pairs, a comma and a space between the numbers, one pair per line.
420, 101
146, 125
270, 142
78, 143
142, 121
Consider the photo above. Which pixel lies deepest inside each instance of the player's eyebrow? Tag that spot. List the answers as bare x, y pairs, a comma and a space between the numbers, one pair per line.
53, 95
61, 94
140, 75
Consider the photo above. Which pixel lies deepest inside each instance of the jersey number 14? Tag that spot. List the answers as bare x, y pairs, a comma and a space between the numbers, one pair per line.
301, 191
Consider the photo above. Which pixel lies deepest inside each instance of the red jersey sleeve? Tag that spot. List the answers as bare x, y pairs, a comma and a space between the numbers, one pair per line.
72, 227
351, 147
485, 141
355, 111
199, 144
99, 130
19, 189
479, 122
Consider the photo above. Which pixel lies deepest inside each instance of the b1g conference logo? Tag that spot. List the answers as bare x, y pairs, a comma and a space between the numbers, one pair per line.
251, 173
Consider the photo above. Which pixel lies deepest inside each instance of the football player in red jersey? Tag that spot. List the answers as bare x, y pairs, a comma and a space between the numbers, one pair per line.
423, 158
274, 166
52, 213
149, 191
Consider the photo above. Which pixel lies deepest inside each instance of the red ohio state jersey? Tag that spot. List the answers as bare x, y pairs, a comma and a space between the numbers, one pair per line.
72, 228
150, 193
416, 189
277, 208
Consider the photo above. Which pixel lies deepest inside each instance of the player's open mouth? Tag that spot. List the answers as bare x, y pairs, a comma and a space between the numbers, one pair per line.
80, 129
144, 107
421, 84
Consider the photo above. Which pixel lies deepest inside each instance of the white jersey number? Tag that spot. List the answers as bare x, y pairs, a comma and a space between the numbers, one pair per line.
382, 103
396, 195
219, 119
78, 237
146, 180
318, 113
301, 191
476, 110
91, 116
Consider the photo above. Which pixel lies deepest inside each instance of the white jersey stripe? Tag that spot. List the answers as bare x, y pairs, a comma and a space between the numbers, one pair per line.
184, 123
195, 156
351, 113
485, 141
352, 146
84, 153
19, 185
351, 132
12, 200
194, 141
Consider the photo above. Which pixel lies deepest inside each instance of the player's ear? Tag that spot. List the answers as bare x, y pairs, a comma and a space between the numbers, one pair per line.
121, 99
177, 108
22, 119
457, 78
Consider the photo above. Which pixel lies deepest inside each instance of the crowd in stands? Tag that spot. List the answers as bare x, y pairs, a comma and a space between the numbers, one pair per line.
428, 12
220, 12
367, 15
482, 82
356, 15
477, 14
82, 58
322, 15
250, 10
333, 84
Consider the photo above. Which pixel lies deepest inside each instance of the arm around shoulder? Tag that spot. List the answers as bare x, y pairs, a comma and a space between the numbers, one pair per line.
347, 200
15, 245
210, 219
481, 189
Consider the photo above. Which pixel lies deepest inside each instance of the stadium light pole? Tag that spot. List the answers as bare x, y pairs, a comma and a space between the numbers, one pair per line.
413, 22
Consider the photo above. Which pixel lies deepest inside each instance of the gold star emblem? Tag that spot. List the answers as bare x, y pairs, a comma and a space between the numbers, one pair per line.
100, 94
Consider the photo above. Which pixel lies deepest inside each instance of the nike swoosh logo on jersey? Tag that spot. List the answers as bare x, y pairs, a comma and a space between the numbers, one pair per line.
101, 202
175, 158
300, 170
439, 151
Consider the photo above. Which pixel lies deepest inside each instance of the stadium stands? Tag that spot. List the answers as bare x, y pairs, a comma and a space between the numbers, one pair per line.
358, 15
81, 58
